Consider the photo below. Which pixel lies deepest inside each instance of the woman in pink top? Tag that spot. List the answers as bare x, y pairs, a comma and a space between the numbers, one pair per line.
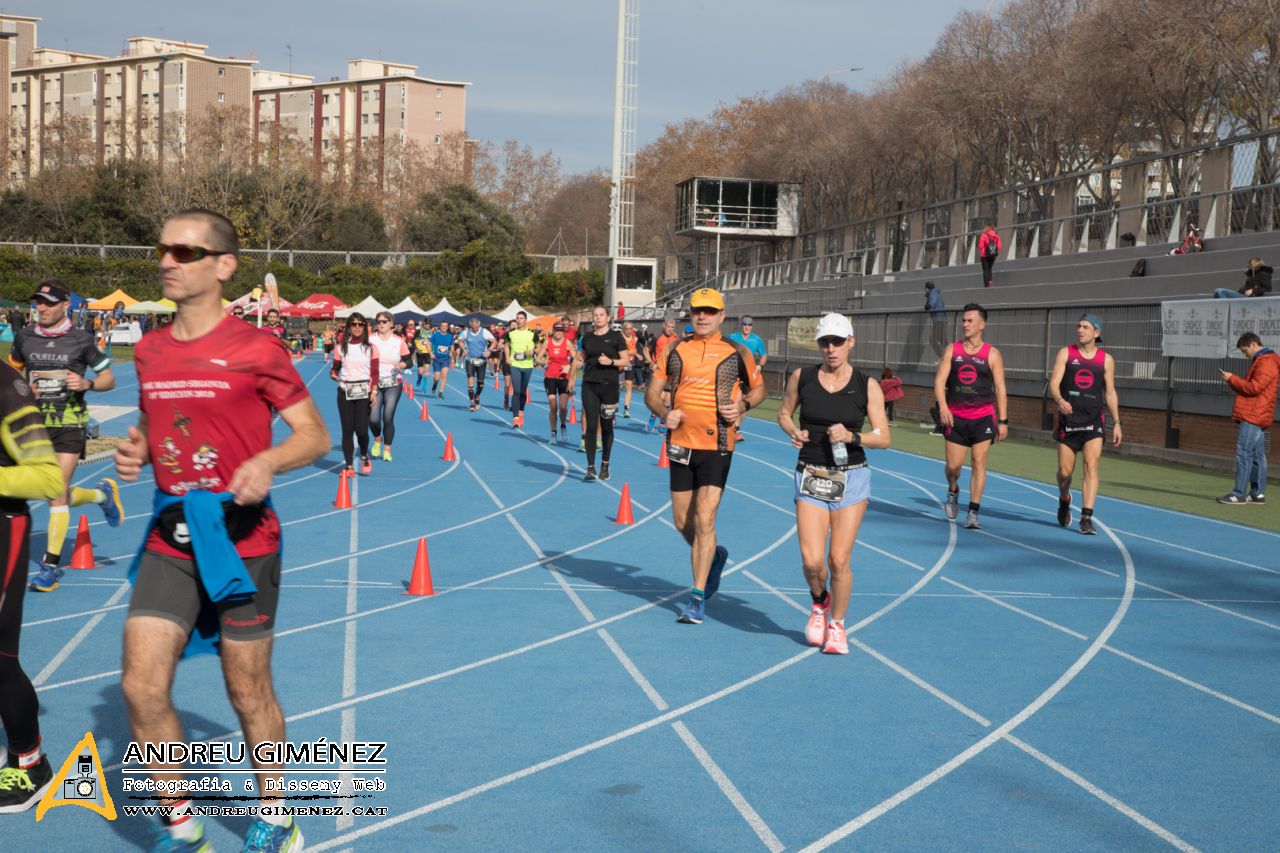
393, 355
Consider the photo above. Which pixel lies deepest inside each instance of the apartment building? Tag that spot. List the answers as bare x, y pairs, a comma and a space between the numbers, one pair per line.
71, 107
380, 103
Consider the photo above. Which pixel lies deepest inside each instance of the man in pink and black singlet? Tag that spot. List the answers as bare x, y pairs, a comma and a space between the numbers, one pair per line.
208, 576
1081, 385
969, 387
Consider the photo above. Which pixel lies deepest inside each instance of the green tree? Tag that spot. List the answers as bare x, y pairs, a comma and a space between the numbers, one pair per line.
456, 216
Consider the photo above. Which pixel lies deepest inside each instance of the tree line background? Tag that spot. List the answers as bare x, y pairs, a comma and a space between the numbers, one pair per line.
1038, 89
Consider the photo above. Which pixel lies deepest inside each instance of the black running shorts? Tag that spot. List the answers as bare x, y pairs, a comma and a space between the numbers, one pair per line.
168, 587
1076, 437
555, 385
970, 432
71, 439
705, 468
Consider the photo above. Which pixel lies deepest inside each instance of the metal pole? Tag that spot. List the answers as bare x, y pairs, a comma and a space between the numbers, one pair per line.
615, 190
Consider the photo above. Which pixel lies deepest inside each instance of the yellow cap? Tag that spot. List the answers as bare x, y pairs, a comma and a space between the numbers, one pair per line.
707, 298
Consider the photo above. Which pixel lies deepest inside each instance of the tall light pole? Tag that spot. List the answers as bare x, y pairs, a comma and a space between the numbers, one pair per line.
622, 184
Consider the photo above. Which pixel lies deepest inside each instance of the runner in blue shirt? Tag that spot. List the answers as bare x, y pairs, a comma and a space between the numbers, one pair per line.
478, 344
441, 350
755, 345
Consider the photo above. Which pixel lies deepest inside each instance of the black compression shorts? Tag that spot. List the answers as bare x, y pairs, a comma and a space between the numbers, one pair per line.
555, 385
969, 432
705, 468
1076, 437
71, 439
168, 587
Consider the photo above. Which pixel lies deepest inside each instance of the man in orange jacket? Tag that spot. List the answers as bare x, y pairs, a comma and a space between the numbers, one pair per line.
1254, 411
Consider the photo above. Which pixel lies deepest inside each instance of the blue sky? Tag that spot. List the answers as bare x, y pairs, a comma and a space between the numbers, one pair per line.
542, 73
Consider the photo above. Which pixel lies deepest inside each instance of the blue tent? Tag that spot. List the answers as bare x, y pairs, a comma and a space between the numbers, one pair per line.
403, 317
446, 317
486, 320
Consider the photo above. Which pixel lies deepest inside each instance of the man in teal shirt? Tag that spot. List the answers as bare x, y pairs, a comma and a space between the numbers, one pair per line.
520, 349
755, 345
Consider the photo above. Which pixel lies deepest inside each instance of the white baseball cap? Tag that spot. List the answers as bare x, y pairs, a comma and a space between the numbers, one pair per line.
833, 326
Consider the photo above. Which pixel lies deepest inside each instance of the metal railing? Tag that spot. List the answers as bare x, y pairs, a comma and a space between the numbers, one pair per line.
312, 260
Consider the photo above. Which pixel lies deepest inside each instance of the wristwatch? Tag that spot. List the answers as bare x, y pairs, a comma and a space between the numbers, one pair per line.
1004, 421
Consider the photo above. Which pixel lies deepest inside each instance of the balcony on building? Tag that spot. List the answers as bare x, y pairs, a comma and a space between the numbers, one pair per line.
736, 208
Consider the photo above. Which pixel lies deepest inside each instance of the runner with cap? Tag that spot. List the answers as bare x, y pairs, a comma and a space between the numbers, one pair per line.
1081, 385
706, 376
54, 357
755, 345
832, 480
973, 409
556, 355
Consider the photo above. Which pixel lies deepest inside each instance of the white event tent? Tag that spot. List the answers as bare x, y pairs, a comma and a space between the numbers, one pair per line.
443, 307
367, 306
508, 314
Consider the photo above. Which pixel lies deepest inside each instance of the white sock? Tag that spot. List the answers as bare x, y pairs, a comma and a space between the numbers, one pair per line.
183, 825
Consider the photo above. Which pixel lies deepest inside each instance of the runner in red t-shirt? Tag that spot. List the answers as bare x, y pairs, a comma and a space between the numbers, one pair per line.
208, 388
556, 355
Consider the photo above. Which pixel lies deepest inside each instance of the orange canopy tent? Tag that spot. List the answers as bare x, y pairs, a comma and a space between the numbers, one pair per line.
107, 303
544, 322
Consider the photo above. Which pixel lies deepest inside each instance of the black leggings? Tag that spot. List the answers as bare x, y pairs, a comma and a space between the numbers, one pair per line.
19, 709
596, 395
475, 378
382, 420
354, 415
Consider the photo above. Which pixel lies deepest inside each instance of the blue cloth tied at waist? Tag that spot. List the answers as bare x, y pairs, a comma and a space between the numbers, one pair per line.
218, 565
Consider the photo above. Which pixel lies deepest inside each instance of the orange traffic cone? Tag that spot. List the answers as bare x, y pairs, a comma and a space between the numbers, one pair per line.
343, 500
82, 556
624, 507
495, 382
409, 386
662, 456
449, 455
404, 385
420, 582
573, 413
423, 416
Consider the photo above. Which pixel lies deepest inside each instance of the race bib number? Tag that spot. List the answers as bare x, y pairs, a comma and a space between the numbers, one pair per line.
477, 362
388, 382
824, 484
679, 455
356, 390
50, 383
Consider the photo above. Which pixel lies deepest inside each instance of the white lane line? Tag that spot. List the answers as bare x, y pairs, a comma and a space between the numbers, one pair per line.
730, 790
348, 726
65, 652
1120, 806
924, 782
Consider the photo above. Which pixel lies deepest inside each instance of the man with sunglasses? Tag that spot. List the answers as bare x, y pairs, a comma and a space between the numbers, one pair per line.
705, 376
208, 577
238, 312
55, 356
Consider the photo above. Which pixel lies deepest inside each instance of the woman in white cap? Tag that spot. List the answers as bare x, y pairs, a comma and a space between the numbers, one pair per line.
832, 480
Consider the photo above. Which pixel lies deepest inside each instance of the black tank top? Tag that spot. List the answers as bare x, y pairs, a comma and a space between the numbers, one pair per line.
971, 388
1083, 385
820, 409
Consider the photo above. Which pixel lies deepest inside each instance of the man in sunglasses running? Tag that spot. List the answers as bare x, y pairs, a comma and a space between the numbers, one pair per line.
55, 358
208, 577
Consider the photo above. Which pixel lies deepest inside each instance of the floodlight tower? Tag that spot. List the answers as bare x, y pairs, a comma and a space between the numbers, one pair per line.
627, 279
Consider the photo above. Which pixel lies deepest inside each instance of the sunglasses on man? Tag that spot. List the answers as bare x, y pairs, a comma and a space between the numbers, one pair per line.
185, 254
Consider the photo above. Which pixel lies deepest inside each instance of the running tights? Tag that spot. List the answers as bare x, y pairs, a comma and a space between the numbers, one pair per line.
519, 387
382, 421
354, 415
19, 709
595, 395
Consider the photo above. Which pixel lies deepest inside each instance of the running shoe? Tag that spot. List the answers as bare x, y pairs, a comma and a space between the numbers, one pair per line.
386, 454
952, 506
266, 837
816, 631
564, 429
738, 436
1232, 500
693, 612
112, 509
937, 432
1086, 526
21, 789
472, 407
440, 395
1064, 514
626, 412
971, 520
717, 568
837, 643
376, 450
1256, 499
604, 470
582, 445
46, 580
366, 467
554, 437
591, 473
166, 843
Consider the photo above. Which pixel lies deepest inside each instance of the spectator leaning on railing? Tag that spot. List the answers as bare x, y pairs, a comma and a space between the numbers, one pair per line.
1254, 411
1257, 282
937, 319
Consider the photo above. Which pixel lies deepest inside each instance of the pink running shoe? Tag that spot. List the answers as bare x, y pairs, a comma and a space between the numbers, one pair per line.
816, 631
837, 643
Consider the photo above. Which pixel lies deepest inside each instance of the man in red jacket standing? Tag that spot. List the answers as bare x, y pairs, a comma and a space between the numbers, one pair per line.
988, 250
1254, 411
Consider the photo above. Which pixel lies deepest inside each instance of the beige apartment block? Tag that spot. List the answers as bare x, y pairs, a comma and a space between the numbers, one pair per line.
380, 104
23, 33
